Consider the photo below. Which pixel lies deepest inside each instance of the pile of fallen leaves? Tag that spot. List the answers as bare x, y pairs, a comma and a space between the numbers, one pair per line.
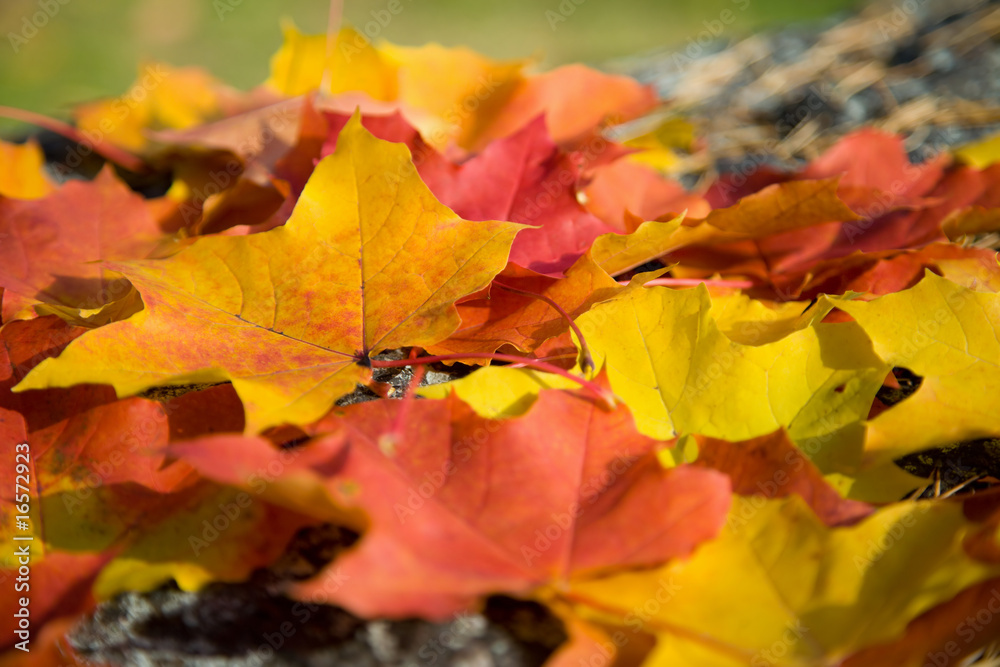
681, 427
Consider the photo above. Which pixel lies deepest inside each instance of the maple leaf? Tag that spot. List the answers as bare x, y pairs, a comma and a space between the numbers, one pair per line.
617, 253
772, 466
898, 206
974, 268
365, 263
777, 208
624, 186
453, 90
226, 172
980, 154
975, 209
951, 630
82, 433
460, 505
875, 170
658, 146
524, 178
942, 634
946, 334
532, 182
756, 321
505, 317
782, 207
298, 66
161, 97
106, 510
454, 95
204, 533
503, 481
442, 91
819, 594
588, 640
668, 360
890, 271
49, 244
390, 127
257, 134
832, 440
575, 100
872, 166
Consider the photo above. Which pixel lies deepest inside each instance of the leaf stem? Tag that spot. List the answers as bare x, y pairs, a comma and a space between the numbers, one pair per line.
692, 282
604, 396
103, 148
586, 360
554, 357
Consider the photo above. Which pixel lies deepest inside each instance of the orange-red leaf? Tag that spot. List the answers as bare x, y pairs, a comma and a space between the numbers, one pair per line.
772, 466
460, 505
575, 100
504, 317
48, 242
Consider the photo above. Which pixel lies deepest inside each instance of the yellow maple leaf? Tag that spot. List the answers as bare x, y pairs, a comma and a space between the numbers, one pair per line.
369, 260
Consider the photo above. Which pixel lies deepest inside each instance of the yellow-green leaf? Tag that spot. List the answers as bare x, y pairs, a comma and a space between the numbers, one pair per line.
950, 336
777, 587
679, 373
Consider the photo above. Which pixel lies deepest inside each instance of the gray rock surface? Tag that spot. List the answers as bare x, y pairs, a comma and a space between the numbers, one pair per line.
244, 625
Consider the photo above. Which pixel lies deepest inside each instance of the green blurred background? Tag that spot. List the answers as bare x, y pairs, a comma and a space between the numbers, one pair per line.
91, 48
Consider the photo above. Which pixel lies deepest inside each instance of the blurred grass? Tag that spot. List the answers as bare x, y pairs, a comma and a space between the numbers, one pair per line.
92, 48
